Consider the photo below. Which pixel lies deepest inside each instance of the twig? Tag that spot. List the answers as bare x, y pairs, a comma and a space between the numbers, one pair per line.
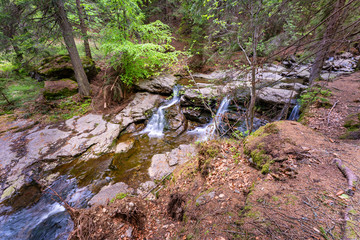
156, 185
332, 108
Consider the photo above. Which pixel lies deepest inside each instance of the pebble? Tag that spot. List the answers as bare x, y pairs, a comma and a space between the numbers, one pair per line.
221, 195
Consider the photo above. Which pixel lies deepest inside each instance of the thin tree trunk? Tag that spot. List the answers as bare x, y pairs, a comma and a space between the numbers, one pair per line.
253, 88
83, 29
327, 40
67, 32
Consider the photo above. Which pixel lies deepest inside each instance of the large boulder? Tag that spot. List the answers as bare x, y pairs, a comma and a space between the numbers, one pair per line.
176, 119
60, 66
276, 95
162, 84
59, 89
139, 109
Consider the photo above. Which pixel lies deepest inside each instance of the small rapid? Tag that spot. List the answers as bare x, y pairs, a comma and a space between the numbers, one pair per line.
156, 124
208, 131
295, 113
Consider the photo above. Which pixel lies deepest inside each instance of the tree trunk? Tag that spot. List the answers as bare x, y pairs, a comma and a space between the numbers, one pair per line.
67, 32
83, 29
326, 42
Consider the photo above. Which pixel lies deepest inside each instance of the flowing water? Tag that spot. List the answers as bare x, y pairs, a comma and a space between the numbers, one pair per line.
156, 124
295, 113
208, 131
46, 218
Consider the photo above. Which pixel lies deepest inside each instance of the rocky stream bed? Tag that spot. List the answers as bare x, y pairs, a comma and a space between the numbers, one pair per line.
88, 159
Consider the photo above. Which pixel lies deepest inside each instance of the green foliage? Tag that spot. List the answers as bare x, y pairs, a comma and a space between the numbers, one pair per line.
139, 60
119, 196
69, 108
315, 94
18, 90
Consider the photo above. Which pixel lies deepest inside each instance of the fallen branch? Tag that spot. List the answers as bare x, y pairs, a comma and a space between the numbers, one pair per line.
332, 108
350, 176
163, 179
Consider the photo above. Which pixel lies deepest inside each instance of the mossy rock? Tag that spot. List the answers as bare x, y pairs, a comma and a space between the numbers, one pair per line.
60, 66
266, 146
352, 124
59, 89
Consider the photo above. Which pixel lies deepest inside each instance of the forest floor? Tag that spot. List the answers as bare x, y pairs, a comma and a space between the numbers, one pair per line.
221, 195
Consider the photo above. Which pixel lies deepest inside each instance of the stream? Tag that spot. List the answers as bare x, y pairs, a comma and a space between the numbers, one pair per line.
77, 181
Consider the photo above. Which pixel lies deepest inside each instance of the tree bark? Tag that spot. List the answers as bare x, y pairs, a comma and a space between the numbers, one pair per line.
83, 29
326, 42
67, 32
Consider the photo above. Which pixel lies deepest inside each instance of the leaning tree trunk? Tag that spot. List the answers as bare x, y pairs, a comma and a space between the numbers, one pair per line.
326, 42
67, 32
83, 29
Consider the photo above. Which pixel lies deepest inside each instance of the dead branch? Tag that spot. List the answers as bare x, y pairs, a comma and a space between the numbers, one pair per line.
350, 176
332, 108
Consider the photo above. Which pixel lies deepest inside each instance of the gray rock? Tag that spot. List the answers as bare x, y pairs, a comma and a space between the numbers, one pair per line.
212, 76
147, 186
109, 192
139, 109
159, 166
276, 96
125, 146
162, 84
346, 55
291, 86
303, 72
80, 134
163, 164
195, 97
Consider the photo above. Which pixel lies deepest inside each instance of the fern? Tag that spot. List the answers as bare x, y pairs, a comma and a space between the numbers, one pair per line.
143, 55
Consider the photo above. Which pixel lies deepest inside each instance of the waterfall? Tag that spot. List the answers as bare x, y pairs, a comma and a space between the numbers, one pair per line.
208, 131
156, 124
295, 113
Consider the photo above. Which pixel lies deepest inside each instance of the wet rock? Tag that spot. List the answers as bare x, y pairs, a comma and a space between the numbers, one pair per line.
125, 146
59, 89
276, 96
139, 109
21, 150
94, 134
109, 192
177, 121
195, 97
291, 86
162, 84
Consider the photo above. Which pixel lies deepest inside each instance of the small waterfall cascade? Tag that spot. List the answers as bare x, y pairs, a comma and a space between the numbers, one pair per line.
156, 124
208, 131
295, 113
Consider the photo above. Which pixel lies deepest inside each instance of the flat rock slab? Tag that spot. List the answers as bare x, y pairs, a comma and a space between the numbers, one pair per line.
20, 150
109, 192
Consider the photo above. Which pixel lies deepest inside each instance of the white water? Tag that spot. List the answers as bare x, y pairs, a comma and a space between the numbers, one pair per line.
208, 131
295, 113
156, 124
